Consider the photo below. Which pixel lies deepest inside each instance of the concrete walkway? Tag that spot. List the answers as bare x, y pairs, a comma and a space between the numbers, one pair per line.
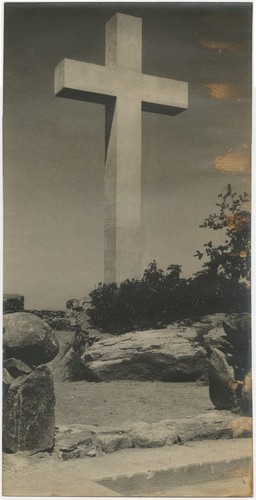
223, 466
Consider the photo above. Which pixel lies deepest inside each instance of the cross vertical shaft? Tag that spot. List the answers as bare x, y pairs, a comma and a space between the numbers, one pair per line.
123, 157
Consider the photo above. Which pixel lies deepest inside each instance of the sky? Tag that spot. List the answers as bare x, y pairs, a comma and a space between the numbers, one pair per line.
54, 147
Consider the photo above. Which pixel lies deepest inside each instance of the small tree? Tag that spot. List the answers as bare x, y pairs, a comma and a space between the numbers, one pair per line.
233, 258
153, 275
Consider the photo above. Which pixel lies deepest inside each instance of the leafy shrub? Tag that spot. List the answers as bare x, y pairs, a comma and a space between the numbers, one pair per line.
160, 298
133, 305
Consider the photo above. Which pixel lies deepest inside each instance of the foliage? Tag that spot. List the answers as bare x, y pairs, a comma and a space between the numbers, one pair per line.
160, 298
233, 258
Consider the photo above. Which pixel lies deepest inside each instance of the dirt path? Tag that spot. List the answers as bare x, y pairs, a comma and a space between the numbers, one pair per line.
127, 401
114, 403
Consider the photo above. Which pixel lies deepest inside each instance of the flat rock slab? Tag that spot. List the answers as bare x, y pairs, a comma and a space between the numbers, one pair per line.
170, 354
212, 425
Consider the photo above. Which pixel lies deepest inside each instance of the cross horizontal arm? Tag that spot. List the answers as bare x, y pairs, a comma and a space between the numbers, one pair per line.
163, 95
97, 83
84, 77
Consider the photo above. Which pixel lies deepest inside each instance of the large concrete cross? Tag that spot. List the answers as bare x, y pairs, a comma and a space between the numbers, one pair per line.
125, 91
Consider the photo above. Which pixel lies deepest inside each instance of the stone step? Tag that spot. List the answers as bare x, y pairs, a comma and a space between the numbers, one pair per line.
78, 440
137, 472
235, 487
193, 467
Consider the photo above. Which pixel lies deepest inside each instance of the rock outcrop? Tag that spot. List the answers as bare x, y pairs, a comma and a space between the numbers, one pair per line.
75, 364
179, 352
171, 354
28, 338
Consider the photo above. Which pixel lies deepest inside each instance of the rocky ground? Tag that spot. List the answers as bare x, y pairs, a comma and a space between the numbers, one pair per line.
95, 419
106, 403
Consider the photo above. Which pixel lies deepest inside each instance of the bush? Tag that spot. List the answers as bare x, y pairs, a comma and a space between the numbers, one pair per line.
159, 299
133, 305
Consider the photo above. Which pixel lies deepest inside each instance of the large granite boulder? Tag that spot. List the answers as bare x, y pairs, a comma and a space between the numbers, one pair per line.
13, 303
170, 354
28, 338
28, 417
230, 378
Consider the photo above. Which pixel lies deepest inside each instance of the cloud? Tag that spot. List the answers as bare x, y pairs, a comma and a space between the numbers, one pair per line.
236, 162
216, 45
221, 90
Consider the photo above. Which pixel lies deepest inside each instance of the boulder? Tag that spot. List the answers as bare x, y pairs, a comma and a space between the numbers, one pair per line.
229, 373
13, 368
76, 312
70, 367
16, 367
216, 338
222, 384
146, 435
238, 332
7, 379
28, 338
168, 355
28, 421
109, 443
241, 323
213, 320
13, 303
78, 304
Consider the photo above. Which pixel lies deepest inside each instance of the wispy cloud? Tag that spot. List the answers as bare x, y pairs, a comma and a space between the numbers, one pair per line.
233, 162
217, 45
221, 90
